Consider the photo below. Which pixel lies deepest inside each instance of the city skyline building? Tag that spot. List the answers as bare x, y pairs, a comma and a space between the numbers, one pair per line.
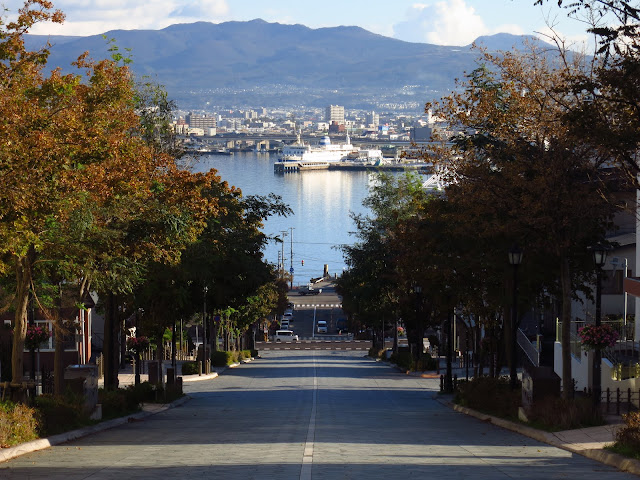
334, 113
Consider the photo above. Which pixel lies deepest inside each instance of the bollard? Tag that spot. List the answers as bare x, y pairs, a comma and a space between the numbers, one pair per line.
442, 383
455, 382
200, 367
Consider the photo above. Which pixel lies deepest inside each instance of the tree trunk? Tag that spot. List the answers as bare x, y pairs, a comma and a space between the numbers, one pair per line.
565, 281
58, 370
23, 283
111, 347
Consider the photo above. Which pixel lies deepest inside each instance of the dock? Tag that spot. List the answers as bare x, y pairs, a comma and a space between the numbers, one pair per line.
292, 167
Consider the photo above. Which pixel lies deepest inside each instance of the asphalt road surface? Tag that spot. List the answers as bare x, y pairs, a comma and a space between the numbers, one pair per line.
308, 414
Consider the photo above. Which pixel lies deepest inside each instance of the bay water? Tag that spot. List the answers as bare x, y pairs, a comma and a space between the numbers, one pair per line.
322, 202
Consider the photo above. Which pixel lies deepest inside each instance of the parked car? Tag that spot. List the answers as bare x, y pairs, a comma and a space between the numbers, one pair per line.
322, 326
284, 324
285, 336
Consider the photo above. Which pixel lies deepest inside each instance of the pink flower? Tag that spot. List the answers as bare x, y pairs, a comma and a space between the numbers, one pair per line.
597, 337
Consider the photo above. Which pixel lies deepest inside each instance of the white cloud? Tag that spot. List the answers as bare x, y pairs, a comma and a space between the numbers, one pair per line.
90, 17
450, 22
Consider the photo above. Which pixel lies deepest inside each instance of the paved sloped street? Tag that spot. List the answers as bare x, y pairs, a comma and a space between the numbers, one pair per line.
308, 414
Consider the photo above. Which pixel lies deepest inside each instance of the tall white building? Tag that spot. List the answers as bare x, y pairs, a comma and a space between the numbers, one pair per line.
335, 113
372, 119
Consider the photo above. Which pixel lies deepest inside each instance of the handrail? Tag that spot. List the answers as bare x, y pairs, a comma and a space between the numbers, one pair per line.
529, 348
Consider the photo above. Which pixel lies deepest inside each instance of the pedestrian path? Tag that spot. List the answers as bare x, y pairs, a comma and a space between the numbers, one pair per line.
589, 442
127, 377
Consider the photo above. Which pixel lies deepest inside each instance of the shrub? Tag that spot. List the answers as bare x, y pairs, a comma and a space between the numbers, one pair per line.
245, 354
190, 368
403, 359
553, 413
628, 437
60, 413
222, 359
116, 403
489, 395
137, 394
18, 424
375, 352
425, 363
254, 353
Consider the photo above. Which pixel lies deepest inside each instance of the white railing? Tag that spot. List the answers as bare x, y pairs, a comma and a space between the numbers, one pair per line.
531, 350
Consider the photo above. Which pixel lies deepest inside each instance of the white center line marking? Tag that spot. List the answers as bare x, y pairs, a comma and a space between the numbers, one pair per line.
307, 457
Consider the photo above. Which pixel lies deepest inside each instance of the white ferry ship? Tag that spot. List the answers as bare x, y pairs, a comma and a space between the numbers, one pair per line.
301, 156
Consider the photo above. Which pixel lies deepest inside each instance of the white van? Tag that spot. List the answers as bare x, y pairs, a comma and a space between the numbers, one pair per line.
322, 326
285, 336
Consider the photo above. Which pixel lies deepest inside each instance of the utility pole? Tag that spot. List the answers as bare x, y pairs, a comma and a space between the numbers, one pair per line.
284, 234
291, 256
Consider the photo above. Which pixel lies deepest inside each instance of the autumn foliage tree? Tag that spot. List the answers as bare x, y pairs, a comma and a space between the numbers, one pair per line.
86, 186
515, 164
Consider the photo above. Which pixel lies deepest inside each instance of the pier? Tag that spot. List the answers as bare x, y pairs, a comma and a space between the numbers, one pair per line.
294, 167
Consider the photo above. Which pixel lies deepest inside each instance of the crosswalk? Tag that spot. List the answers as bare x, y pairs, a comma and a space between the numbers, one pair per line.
300, 306
315, 345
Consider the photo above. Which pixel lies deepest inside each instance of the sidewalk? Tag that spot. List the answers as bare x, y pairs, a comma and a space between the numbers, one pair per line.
127, 377
588, 442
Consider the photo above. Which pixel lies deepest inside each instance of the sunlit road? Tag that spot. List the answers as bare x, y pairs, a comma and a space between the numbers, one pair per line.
308, 414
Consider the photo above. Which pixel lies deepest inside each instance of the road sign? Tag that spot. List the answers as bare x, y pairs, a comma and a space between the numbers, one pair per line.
291, 270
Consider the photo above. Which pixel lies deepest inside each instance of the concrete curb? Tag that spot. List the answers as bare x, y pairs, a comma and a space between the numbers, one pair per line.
197, 378
603, 456
42, 443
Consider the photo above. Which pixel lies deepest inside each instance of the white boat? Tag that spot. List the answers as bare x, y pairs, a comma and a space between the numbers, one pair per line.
365, 157
302, 156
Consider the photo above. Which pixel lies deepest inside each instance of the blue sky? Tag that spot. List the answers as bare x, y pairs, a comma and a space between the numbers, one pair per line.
442, 22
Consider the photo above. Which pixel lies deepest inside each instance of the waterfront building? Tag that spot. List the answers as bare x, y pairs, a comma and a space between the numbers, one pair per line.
201, 121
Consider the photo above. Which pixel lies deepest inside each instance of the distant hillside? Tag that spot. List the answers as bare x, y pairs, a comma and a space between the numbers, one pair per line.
204, 56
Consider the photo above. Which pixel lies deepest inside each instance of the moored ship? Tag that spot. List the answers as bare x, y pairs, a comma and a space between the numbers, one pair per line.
301, 156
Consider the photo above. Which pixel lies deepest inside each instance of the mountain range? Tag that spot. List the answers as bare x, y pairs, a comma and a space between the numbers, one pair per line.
272, 63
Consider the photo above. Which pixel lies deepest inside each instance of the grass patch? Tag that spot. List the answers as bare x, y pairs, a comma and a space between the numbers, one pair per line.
623, 450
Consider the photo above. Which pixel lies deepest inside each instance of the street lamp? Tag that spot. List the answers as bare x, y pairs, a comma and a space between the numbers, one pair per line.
204, 332
515, 259
417, 289
599, 259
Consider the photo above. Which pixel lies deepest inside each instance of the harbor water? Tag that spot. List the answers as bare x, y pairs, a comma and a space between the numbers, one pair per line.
322, 202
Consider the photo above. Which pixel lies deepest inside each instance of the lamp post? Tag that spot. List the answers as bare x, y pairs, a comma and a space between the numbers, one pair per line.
515, 258
599, 259
417, 289
204, 331
448, 377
